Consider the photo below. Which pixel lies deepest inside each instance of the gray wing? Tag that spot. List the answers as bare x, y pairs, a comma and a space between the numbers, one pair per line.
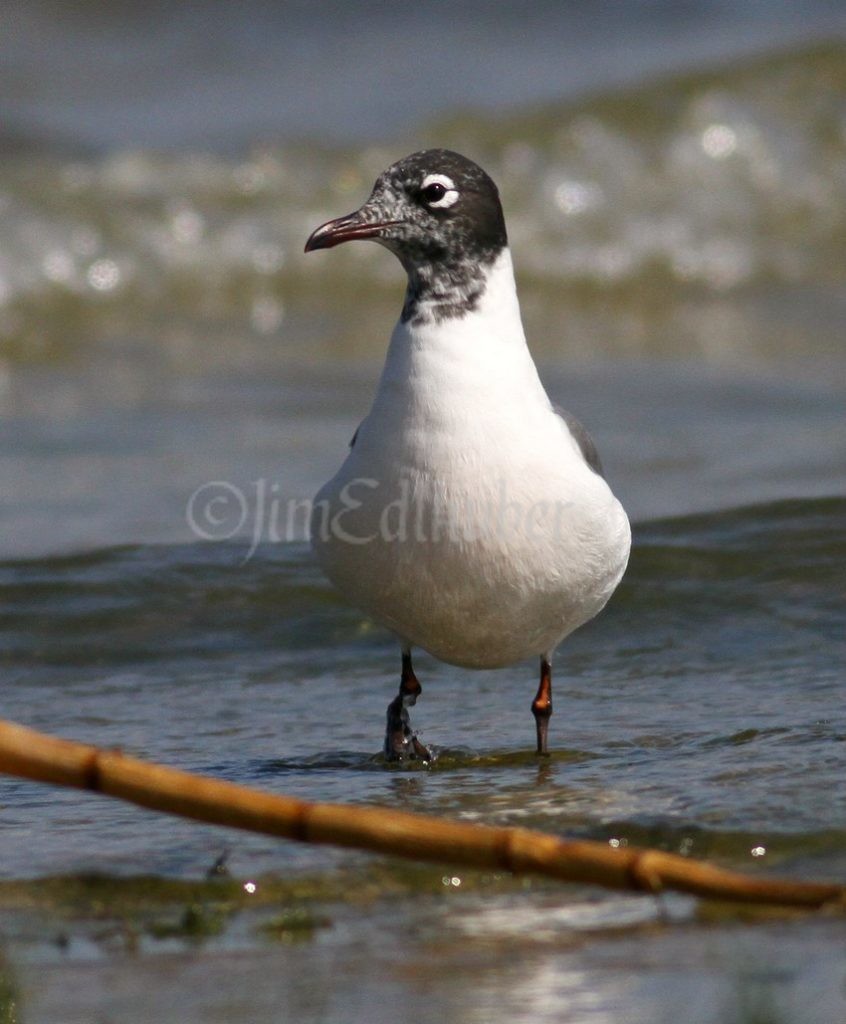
582, 438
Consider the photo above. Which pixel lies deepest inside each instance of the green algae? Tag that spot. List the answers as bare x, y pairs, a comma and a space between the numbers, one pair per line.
9, 1000
97, 894
196, 922
295, 925
125, 913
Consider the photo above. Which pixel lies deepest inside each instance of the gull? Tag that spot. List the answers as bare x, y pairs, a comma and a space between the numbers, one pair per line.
471, 516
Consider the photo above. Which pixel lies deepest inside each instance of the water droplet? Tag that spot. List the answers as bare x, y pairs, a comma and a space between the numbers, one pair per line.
575, 197
719, 141
103, 275
58, 265
187, 226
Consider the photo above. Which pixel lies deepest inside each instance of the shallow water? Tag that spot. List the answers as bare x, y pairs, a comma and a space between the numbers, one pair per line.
700, 714
163, 342
703, 698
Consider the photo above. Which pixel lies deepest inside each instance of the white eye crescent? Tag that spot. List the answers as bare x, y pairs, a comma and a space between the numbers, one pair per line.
438, 191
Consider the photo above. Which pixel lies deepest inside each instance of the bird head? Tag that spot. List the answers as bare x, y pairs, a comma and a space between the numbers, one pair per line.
432, 208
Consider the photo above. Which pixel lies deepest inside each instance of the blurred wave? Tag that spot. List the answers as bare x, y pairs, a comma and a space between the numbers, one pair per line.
771, 569
717, 184
699, 710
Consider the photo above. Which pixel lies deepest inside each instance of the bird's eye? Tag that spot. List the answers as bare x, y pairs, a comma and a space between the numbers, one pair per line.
438, 191
432, 193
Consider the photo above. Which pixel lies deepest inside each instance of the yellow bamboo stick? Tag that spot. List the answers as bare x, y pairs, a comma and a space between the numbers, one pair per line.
33, 755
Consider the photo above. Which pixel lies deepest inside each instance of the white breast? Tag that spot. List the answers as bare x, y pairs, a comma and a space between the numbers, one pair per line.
465, 518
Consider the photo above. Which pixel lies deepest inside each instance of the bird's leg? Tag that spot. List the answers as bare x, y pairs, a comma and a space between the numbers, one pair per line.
400, 741
542, 704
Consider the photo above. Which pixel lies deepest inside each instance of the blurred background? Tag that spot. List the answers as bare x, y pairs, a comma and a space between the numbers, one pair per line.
673, 176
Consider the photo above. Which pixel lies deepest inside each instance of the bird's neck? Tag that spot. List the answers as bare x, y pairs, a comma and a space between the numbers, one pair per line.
481, 351
449, 288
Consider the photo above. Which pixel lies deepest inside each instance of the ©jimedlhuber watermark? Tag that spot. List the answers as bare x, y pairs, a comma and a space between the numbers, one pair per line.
221, 510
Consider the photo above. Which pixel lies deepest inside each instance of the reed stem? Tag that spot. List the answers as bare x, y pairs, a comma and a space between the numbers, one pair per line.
42, 758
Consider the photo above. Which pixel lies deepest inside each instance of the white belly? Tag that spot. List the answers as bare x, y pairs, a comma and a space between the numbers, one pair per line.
497, 557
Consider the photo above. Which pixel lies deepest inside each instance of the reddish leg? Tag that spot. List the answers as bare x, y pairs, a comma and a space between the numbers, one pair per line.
400, 741
542, 704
